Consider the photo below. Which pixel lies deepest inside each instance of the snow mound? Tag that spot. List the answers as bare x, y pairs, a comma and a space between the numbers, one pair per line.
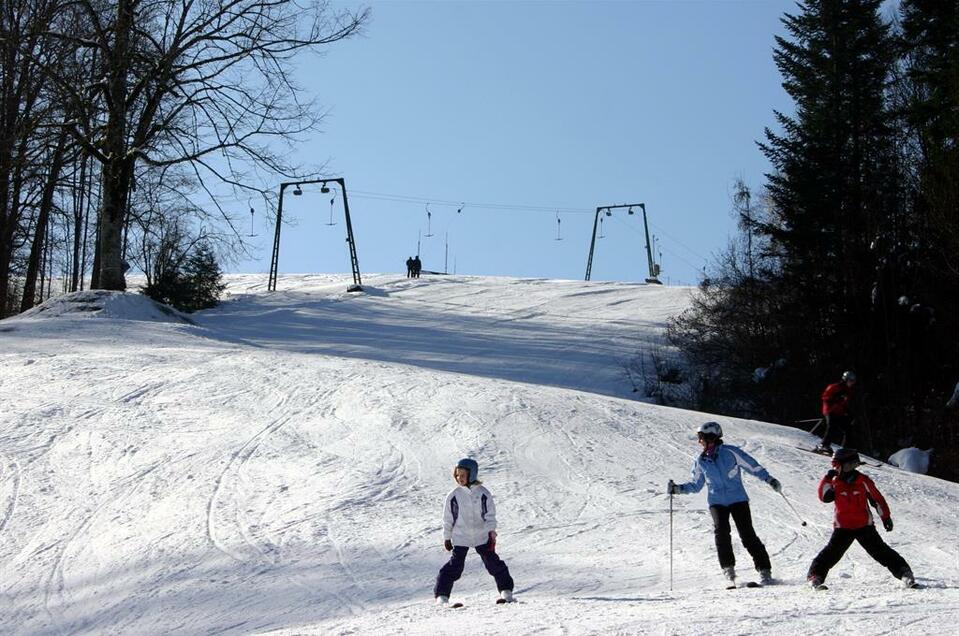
102, 303
912, 459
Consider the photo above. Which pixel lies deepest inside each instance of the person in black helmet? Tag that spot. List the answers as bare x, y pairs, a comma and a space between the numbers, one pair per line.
853, 493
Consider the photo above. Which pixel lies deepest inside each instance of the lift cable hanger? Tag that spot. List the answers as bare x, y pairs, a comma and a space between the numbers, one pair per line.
429, 219
331, 222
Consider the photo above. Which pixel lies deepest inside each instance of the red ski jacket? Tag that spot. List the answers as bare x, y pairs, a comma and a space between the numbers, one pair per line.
852, 496
835, 399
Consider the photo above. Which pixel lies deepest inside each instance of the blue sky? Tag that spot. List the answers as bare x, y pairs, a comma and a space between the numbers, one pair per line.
529, 112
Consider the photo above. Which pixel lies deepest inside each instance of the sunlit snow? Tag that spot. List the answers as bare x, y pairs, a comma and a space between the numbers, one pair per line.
279, 467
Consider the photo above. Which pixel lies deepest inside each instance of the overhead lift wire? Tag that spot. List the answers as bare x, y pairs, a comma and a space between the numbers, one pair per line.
467, 204
671, 253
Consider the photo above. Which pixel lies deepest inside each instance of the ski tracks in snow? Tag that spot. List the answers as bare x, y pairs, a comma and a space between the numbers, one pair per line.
228, 524
9, 490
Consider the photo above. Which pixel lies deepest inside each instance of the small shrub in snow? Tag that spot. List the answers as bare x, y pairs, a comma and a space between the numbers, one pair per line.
189, 283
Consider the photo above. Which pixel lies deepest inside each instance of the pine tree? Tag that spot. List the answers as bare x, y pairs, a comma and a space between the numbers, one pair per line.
188, 281
836, 182
928, 99
203, 278
853, 263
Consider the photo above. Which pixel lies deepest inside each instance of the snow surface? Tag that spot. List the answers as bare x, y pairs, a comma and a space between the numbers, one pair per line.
279, 468
913, 459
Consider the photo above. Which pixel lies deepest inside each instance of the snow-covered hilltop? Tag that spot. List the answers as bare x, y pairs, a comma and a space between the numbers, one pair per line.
279, 466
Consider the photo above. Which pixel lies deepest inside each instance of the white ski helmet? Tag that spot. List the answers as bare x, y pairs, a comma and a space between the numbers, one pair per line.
710, 428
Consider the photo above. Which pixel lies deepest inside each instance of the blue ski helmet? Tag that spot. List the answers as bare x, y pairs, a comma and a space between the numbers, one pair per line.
471, 467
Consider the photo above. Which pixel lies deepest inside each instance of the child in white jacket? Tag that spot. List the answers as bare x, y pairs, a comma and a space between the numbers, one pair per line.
469, 521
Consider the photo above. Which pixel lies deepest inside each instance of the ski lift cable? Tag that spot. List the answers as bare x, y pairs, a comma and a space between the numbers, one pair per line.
460, 205
661, 232
668, 251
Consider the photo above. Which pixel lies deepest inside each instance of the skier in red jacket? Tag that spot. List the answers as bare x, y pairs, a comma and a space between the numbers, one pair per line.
837, 411
852, 492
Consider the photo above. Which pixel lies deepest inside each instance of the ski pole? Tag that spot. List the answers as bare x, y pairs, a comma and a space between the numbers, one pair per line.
819, 422
670, 539
788, 503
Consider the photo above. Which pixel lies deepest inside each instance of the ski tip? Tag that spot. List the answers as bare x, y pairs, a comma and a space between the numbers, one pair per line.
456, 605
753, 584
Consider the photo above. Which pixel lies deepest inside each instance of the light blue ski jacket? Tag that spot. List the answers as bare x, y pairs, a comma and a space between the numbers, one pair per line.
723, 475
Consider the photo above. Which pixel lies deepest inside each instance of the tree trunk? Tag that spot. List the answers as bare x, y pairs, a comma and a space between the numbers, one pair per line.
79, 198
43, 219
115, 177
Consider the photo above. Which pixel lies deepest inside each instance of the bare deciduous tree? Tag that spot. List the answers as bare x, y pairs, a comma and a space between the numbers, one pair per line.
201, 82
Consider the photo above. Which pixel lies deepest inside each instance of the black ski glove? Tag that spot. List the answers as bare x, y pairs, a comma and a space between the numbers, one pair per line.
448, 545
831, 474
672, 488
887, 524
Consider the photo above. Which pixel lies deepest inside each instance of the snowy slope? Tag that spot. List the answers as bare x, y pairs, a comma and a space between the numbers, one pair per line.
279, 467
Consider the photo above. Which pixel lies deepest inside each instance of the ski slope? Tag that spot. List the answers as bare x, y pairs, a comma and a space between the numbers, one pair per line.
277, 466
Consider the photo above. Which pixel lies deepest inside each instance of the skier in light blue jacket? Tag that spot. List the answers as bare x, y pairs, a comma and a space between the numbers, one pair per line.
720, 467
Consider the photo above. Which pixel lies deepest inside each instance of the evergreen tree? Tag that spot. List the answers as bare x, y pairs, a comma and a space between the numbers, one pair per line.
852, 261
203, 278
928, 100
834, 187
188, 281
835, 184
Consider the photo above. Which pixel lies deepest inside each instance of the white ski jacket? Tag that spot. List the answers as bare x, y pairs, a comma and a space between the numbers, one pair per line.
469, 515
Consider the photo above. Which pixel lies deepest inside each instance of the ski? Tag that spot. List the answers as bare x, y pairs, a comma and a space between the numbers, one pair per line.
815, 452
456, 605
503, 601
829, 454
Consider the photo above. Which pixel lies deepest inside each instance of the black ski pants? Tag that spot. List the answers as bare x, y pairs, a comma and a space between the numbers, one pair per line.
870, 541
739, 511
837, 430
453, 569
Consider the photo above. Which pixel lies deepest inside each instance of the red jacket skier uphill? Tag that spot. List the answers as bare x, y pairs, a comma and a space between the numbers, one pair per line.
837, 411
